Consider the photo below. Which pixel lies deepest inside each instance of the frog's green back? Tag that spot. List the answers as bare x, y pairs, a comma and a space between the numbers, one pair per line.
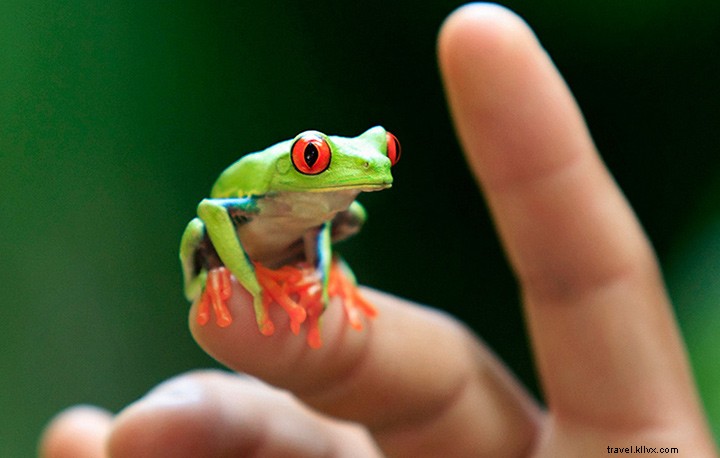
251, 174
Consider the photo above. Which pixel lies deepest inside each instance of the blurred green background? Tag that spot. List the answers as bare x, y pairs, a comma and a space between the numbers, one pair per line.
116, 117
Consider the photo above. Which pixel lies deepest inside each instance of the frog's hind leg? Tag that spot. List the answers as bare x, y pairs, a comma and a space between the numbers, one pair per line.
194, 274
206, 280
315, 304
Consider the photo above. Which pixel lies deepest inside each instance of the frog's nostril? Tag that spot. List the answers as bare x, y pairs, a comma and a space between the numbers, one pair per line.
366, 165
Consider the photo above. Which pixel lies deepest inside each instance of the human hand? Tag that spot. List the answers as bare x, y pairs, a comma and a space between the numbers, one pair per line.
416, 382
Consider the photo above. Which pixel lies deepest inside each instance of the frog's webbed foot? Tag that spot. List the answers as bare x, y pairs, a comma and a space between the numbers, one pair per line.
298, 289
342, 284
215, 295
276, 288
218, 290
281, 286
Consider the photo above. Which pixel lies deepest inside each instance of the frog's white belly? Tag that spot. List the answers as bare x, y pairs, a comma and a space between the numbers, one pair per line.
276, 236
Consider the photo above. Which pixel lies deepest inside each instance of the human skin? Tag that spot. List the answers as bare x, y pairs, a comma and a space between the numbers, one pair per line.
611, 361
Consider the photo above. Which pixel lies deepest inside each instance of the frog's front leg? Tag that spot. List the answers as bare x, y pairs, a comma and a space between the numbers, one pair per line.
336, 278
340, 279
318, 250
222, 231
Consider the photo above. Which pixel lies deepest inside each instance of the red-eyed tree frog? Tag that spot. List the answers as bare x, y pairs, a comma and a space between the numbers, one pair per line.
270, 221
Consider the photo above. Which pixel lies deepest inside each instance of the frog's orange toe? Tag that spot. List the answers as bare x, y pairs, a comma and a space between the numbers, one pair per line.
277, 286
313, 336
267, 328
297, 289
203, 309
216, 293
354, 303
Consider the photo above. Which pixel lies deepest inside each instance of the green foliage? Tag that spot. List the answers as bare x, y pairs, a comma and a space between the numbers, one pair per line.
694, 280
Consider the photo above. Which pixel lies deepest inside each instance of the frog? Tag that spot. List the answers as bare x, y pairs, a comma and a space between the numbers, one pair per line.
270, 222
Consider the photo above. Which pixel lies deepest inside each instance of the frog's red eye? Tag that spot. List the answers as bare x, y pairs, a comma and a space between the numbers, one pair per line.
310, 153
393, 148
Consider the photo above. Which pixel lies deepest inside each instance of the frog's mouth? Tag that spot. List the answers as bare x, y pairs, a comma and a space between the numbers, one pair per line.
360, 187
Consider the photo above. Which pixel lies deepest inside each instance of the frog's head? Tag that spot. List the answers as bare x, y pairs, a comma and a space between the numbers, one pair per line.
315, 162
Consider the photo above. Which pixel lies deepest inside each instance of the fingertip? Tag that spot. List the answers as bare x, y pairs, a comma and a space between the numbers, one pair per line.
174, 419
488, 56
215, 413
78, 432
515, 117
479, 29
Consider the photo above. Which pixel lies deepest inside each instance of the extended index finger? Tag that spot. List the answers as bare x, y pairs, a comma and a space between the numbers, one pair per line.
605, 339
